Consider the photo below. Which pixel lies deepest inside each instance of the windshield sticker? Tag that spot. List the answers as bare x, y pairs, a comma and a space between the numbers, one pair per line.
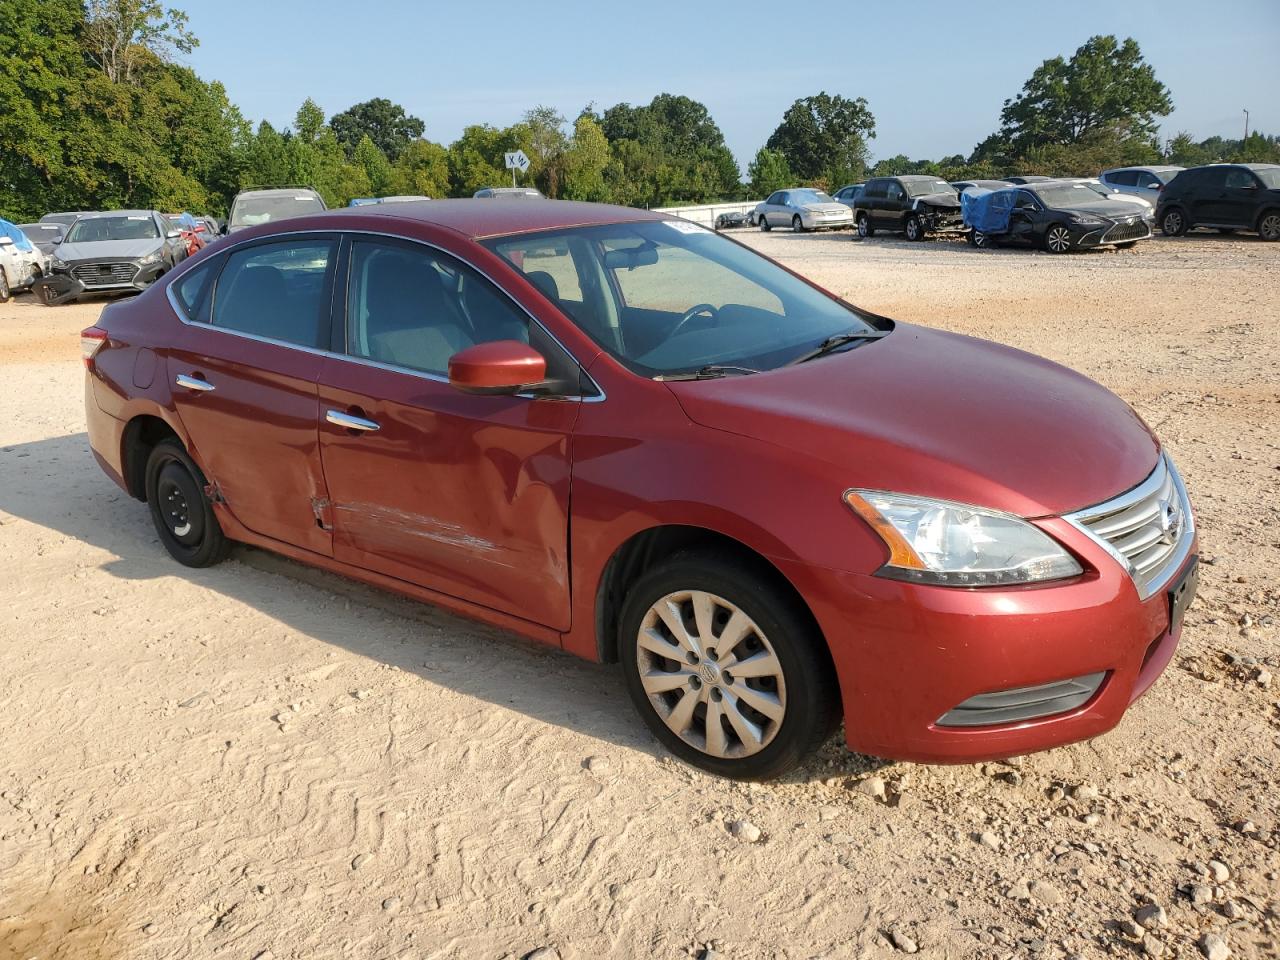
302, 198
684, 226
139, 218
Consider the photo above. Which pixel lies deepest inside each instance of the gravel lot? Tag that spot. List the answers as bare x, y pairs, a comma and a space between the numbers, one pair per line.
262, 761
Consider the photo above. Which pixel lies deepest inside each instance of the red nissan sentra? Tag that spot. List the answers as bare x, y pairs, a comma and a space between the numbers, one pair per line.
622, 434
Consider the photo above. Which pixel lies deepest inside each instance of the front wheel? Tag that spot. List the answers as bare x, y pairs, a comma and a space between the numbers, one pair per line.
1057, 239
979, 240
5, 293
797, 224
1173, 223
914, 228
1269, 226
865, 229
180, 509
725, 668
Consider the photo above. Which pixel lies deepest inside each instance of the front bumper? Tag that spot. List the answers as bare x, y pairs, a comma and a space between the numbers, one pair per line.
812, 222
907, 655
941, 221
1116, 233
65, 285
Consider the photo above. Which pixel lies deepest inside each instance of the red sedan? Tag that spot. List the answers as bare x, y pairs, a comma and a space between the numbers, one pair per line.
618, 433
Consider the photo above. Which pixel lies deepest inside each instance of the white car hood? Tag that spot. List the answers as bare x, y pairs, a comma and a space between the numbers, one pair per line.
825, 208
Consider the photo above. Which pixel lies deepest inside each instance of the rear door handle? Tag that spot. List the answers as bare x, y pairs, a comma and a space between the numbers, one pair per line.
193, 383
350, 422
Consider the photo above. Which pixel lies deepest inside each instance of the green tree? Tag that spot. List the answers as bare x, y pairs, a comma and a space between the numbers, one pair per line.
768, 172
422, 169
375, 166
1106, 90
824, 138
544, 133
387, 124
475, 158
585, 161
120, 33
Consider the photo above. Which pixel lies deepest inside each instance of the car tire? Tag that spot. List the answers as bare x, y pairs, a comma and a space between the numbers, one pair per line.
792, 678
1174, 222
1057, 239
764, 224
5, 293
797, 225
979, 240
865, 229
1269, 225
181, 510
913, 228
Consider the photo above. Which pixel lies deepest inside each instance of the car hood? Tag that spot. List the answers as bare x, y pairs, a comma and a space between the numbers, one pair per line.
1111, 209
109, 249
834, 207
940, 415
940, 200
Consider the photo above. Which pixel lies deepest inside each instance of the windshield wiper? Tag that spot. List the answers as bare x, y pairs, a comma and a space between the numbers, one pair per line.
709, 372
835, 341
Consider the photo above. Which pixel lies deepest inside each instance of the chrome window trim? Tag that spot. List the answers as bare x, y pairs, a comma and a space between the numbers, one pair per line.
181, 314
1149, 586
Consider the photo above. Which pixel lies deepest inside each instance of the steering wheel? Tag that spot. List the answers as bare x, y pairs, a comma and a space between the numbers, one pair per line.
700, 309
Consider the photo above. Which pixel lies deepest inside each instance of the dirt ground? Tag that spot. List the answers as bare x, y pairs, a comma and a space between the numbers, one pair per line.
262, 761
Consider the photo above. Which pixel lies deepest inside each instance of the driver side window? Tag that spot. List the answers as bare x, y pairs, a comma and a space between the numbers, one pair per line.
896, 192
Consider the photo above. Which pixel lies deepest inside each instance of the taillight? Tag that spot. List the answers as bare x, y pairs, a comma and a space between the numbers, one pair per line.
91, 341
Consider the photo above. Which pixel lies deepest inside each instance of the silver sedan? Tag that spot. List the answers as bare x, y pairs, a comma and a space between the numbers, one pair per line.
802, 208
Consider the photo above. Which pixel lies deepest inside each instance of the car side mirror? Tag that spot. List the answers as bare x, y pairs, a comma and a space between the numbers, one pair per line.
498, 367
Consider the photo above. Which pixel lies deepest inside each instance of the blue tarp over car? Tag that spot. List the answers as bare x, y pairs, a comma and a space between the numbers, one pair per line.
19, 238
987, 211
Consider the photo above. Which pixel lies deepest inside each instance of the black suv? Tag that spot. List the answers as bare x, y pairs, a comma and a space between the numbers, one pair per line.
1228, 196
916, 206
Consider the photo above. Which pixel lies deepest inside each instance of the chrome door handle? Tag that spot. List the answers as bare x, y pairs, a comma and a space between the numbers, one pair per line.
193, 383
349, 422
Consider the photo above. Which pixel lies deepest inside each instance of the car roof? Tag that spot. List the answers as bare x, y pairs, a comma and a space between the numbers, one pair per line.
474, 218
276, 192
99, 214
1157, 168
916, 176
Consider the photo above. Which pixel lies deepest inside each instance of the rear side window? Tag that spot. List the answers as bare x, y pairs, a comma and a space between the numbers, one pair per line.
875, 188
1124, 178
192, 290
278, 291
895, 191
1240, 179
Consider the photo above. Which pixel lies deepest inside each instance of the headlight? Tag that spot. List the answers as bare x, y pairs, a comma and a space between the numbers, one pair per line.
57, 263
149, 258
1080, 218
952, 544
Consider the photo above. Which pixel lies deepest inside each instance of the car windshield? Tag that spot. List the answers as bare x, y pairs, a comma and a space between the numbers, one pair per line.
94, 229
810, 196
1069, 194
250, 211
1269, 176
41, 232
919, 188
667, 297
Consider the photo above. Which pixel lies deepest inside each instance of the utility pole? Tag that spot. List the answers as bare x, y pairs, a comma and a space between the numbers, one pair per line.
1246, 125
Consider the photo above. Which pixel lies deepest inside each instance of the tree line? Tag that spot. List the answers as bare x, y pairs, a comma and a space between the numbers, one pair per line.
97, 112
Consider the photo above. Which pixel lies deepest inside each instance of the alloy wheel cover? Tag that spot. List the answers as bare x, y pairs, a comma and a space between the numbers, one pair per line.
710, 674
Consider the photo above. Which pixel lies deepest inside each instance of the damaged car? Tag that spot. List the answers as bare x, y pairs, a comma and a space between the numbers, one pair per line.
21, 263
124, 251
1057, 216
915, 205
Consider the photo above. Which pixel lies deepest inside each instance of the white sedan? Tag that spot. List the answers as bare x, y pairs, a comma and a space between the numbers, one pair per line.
801, 208
19, 268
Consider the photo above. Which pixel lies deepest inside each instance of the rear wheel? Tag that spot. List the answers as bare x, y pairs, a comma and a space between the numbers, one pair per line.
1173, 223
1057, 239
182, 513
725, 668
914, 228
1269, 225
865, 229
797, 224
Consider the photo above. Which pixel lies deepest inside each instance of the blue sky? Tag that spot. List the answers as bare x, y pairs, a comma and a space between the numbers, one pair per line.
453, 64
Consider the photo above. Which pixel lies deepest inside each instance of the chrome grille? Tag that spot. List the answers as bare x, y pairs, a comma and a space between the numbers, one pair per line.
1149, 529
104, 274
1136, 229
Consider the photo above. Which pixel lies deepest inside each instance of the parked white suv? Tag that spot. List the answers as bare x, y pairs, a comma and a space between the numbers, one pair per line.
1145, 182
